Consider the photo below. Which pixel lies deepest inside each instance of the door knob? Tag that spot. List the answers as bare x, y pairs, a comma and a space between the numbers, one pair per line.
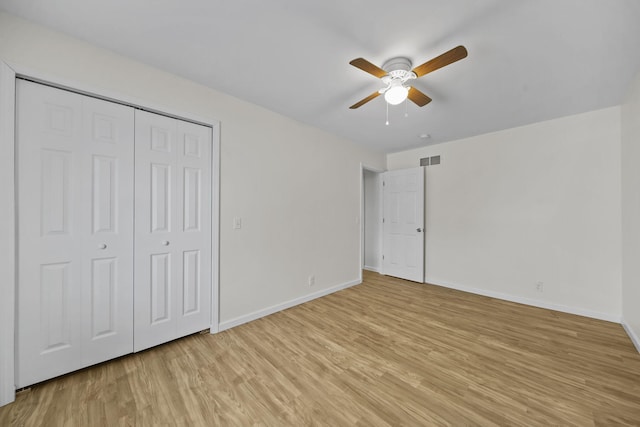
165, 243
102, 246
419, 230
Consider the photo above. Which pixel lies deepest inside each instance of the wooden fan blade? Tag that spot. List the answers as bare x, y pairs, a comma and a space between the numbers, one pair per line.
455, 54
368, 67
418, 98
364, 101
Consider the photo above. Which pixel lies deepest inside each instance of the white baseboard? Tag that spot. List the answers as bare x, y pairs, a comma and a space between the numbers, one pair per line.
634, 338
533, 302
228, 324
369, 268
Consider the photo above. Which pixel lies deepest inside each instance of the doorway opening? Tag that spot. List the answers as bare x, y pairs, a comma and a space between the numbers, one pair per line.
371, 214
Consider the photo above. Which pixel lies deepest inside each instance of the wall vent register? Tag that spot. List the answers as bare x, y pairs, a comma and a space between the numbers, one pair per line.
430, 161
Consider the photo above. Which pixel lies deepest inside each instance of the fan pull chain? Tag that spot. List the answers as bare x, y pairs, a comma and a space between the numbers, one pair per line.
406, 108
387, 123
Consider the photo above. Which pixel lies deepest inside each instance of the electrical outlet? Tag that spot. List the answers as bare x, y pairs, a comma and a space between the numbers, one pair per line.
540, 286
312, 280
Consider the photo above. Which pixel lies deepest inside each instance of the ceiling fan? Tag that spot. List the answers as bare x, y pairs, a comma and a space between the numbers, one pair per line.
397, 72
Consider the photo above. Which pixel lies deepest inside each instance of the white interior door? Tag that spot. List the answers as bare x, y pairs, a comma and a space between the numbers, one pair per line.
75, 228
173, 229
403, 224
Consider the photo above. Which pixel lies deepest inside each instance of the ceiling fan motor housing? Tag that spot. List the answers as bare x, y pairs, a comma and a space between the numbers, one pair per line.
398, 63
398, 71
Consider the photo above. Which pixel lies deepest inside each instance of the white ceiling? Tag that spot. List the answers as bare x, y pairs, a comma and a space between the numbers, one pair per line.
529, 60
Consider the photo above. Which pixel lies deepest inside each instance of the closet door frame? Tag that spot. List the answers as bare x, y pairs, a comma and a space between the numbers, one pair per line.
7, 234
8, 75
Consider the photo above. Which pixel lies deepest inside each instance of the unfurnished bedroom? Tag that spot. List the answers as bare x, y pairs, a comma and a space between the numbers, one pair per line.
292, 213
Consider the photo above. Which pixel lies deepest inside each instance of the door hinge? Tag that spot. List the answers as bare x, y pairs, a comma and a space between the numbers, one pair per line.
383, 257
384, 183
383, 220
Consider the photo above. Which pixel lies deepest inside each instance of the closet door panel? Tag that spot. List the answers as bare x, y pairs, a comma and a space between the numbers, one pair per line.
49, 271
74, 196
108, 132
155, 223
194, 219
173, 229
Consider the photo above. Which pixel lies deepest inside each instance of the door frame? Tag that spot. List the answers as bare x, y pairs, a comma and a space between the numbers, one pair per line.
364, 167
8, 75
7, 234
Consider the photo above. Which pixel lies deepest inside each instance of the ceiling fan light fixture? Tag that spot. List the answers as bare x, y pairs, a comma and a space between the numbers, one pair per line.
396, 94
397, 72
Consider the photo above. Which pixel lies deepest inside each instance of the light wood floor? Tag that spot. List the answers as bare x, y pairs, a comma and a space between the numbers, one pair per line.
387, 352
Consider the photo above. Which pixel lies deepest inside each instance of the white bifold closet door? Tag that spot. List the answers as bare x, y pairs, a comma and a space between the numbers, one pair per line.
75, 227
114, 230
172, 229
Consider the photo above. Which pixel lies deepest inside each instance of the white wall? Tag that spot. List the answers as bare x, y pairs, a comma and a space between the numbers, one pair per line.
539, 203
296, 188
631, 213
372, 220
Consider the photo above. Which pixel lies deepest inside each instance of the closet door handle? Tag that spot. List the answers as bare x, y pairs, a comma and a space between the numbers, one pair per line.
102, 246
165, 243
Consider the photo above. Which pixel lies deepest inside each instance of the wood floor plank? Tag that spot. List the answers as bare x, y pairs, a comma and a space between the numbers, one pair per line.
384, 353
